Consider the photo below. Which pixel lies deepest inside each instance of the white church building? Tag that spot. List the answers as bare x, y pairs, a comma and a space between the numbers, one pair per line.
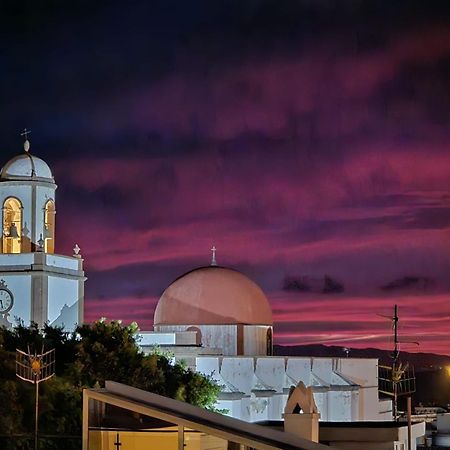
220, 323
215, 318
36, 285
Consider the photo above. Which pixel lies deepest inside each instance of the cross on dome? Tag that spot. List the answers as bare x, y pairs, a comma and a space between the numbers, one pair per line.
26, 144
25, 133
213, 259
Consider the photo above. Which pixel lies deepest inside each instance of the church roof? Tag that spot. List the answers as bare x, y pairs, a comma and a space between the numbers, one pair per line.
26, 167
213, 295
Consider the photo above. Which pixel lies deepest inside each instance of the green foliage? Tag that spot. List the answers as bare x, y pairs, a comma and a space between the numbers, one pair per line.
8, 365
61, 407
10, 422
34, 340
64, 344
94, 353
105, 350
22, 337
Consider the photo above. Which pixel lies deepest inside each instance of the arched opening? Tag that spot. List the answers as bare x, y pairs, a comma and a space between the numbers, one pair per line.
198, 336
49, 227
12, 226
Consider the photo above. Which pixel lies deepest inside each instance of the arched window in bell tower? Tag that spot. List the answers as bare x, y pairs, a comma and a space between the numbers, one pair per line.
49, 227
12, 226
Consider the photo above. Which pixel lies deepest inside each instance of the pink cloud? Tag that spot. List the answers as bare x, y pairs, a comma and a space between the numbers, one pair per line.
423, 318
203, 208
317, 318
360, 210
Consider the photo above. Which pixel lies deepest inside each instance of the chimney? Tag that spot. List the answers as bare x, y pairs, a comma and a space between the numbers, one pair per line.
301, 416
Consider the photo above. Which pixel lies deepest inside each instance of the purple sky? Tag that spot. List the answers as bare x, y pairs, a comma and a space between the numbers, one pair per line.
303, 139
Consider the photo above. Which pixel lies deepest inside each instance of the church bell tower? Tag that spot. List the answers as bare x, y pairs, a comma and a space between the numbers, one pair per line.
36, 284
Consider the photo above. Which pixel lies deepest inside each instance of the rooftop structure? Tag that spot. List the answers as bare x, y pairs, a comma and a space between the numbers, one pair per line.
122, 415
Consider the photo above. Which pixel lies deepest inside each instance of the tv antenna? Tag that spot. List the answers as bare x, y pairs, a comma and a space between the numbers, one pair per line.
397, 379
35, 368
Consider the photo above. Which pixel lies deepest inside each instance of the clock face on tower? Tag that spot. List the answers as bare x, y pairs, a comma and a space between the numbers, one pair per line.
6, 300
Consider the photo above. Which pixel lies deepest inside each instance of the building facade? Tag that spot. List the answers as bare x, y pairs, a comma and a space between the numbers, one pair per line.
36, 284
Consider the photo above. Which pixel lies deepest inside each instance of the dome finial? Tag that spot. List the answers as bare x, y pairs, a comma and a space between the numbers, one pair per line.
213, 259
26, 144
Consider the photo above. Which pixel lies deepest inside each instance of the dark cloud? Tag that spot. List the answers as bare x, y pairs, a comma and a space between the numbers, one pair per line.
137, 280
432, 217
409, 282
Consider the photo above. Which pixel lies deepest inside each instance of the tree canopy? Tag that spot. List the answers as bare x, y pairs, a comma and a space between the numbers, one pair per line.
86, 358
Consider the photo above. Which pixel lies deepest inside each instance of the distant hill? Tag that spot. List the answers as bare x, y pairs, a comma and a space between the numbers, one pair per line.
418, 360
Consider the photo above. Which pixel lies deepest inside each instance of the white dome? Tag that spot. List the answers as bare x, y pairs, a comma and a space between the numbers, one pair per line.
213, 295
26, 167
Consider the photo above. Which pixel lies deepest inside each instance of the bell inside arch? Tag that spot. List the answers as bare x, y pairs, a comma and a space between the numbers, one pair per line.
47, 233
13, 231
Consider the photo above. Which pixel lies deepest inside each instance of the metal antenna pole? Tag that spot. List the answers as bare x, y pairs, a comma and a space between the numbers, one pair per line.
396, 352
397, 379
35, 369
36, 416
395, 358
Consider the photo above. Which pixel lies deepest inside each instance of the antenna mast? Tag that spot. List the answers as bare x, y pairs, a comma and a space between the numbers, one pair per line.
395, 356
399, 379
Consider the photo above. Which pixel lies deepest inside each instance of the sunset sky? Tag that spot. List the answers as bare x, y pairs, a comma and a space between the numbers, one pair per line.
301, 138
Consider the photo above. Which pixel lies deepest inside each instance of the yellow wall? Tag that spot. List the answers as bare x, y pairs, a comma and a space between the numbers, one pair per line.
157, 439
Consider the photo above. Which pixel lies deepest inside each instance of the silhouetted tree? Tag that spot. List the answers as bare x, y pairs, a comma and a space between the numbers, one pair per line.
90, 355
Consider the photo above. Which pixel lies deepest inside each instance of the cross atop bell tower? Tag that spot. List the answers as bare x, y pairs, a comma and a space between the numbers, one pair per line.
26, 144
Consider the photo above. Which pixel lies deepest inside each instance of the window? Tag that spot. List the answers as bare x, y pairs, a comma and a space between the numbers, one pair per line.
49, 227
12, 226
